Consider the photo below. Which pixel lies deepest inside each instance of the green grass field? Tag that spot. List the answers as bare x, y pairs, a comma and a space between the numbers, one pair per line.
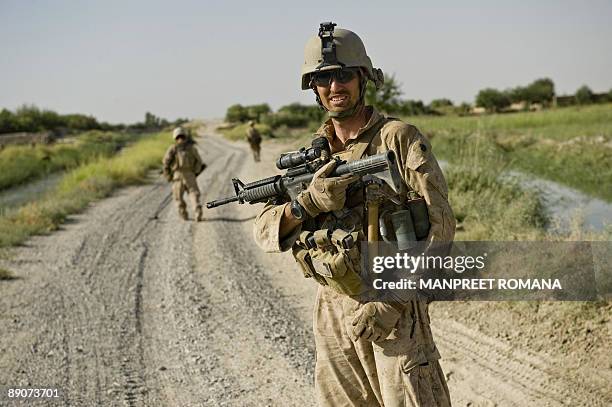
572, 146
19, 164
82, 185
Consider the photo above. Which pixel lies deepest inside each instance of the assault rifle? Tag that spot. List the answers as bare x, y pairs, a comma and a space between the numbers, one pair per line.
301, 166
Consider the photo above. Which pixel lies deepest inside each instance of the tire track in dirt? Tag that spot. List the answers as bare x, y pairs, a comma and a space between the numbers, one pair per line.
484, 369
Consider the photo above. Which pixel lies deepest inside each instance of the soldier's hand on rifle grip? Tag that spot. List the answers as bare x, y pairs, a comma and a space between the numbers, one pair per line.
325, 194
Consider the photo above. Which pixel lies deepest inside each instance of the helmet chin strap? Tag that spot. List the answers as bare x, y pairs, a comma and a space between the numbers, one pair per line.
344, 114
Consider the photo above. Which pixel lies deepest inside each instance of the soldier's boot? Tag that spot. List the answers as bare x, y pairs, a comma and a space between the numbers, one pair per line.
199, 214
183, 213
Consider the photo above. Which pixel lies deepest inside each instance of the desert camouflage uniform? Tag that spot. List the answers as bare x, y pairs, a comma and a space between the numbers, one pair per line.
183, 163
254, 139
403, 369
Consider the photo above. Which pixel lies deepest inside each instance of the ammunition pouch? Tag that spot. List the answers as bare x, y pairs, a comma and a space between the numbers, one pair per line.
332, 258
405, 225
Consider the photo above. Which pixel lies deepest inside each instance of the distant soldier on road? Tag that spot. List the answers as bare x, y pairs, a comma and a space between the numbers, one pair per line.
182, 164
254, 139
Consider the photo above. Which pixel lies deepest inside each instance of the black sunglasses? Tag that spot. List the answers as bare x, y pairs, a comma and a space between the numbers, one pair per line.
324, 78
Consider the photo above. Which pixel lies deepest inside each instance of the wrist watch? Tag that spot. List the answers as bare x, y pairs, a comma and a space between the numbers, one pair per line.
298, 211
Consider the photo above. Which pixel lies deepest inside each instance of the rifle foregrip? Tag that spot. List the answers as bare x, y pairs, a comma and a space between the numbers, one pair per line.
261, 193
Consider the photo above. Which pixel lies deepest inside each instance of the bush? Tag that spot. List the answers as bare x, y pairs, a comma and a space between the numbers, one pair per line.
584, 95
29, 118
294, 116
438, 103
492, 99
19, 164
387, 98
240, 114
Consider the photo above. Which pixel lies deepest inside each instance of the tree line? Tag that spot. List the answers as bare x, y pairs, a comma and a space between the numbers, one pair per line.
31, 119
389, 99
540, 91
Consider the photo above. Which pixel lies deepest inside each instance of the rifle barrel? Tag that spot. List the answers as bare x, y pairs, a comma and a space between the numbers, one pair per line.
219, 202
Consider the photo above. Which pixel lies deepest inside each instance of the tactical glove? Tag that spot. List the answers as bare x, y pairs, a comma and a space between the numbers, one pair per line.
374, 321
325, 194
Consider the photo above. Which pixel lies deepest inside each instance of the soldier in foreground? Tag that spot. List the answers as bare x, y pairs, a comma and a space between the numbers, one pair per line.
254, 139
181, 165
369, 352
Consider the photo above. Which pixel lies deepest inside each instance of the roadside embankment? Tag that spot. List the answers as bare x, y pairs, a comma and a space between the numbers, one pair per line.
20, 164
82, 185
571, 146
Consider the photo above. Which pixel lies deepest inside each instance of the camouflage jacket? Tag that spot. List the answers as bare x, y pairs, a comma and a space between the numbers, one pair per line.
253, 136
418, 166
181, 159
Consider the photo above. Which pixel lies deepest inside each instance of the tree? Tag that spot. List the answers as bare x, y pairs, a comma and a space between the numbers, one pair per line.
492, 99
7, 121
541, 91
312, 112
151, 121
81, 122
584, 95
438, 103
412, 108
236, 113
387, 98
255, 112
519, 94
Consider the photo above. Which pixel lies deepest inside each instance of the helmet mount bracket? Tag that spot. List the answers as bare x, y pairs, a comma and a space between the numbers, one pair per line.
328, 48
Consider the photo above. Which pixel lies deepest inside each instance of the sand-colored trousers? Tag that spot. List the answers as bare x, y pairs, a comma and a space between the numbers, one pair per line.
186, 182
390, 373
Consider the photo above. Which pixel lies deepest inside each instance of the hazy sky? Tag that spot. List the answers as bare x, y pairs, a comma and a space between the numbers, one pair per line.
118, 59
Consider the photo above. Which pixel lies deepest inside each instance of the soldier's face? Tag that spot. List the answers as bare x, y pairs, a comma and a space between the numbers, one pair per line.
338, 96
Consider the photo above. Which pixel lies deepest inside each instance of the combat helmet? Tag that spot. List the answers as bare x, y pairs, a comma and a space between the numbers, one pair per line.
335, 49
179, 131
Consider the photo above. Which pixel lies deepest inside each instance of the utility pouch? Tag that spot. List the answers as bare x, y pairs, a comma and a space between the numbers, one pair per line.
302, 257
420, 217
405, 225
337, 259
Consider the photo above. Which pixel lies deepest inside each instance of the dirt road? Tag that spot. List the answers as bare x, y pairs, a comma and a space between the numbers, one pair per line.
127, 305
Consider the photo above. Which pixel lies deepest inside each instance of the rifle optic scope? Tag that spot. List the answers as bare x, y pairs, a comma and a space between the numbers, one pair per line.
290, 160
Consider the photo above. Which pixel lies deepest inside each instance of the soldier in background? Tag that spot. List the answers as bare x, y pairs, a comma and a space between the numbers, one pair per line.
254, 139
182, 164
368, 352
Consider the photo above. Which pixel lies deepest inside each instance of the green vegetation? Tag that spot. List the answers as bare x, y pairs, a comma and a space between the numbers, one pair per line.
584, 95
6, 275
492, 99
19, 164
571, 145
29, 118
238, 131
294, 116
488, 207
388, 99
81, 186
288, 121
240, 114
539, 91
